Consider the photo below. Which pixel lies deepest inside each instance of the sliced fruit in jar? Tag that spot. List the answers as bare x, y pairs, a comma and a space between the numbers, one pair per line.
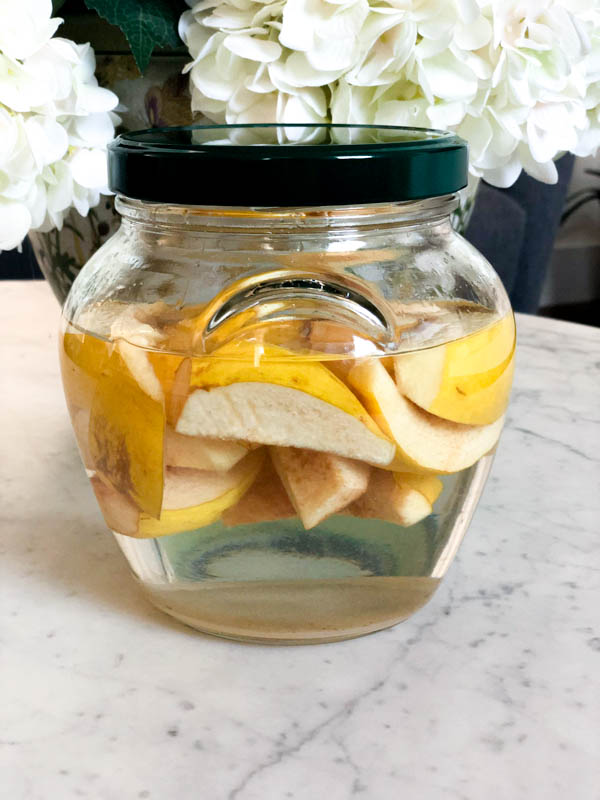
173, 373
425, 443
82, 357
186, 334
140, 368
132, 325
333, 337
428, 485
179, 337
401, 498
127, 422
179, 391
159, 314
120, 513
80, 419
196, 498
279, 402
268, 414
173, 327
196, 452
245, 362
467, 380
265, 501
319, 484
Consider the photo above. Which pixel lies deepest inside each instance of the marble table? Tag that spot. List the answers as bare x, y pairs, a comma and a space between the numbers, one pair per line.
491, 691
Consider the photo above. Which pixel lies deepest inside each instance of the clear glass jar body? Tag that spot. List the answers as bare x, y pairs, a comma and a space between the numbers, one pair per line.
288, 415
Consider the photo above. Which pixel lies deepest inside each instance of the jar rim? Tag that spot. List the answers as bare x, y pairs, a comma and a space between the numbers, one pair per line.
274, 165
285, 219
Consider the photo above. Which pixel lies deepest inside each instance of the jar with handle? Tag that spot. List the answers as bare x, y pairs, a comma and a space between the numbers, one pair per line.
287, 374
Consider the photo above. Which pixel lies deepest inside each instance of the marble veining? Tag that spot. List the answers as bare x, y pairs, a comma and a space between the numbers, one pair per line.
491, 691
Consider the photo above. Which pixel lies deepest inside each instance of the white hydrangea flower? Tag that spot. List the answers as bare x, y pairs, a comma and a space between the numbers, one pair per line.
26, 26
55, 123
519, 79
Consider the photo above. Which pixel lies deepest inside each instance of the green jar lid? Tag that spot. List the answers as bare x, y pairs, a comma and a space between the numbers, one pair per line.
267, 166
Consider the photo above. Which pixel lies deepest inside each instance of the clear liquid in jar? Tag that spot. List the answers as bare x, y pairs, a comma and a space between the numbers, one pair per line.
290, 528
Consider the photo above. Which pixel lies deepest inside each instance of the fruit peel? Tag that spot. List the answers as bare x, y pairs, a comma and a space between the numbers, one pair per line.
177, 520
266, 413
82, 357
402, 499
126, 435
265, 501
425, 444
466, 381
319, 484
243, 362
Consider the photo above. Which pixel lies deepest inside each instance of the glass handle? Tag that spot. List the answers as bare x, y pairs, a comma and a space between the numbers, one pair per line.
284, 295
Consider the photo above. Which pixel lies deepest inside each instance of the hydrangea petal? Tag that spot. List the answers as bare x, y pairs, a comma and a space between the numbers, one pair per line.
15, 222
26, 27
89, 168
297, 32
47, 139
473, 35
252, 48
93, 130
448, 78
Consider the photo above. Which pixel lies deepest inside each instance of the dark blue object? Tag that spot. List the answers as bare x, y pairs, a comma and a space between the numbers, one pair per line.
515, 230
18, 266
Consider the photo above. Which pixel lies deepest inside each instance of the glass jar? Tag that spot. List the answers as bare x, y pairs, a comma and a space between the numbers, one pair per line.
287, 374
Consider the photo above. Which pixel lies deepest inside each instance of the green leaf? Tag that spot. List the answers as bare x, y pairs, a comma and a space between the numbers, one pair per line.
146, 23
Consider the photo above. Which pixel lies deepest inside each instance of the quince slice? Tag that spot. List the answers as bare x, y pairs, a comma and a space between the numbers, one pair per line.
265, 501
319, 484
196, 498
279, 399
173, 373
192, 499
425, 443
120, 513
80, 419
82, 357
402, 498
467, 380
196, 452
127, 423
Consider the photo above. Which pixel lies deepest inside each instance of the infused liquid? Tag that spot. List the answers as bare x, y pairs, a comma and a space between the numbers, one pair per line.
297, 484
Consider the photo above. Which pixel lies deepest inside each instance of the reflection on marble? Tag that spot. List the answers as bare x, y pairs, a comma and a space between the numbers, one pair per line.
491, 691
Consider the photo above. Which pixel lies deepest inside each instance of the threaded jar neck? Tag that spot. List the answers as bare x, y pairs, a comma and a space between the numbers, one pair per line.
286, 220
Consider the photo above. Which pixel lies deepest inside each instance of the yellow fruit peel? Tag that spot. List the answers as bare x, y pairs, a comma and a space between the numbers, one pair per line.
243, 362
466, 381
173, 373
186, 519
425, 444
126, 435
82, 358
401, 499
428, 485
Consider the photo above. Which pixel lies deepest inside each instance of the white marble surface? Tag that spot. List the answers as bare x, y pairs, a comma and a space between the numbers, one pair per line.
491, 691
